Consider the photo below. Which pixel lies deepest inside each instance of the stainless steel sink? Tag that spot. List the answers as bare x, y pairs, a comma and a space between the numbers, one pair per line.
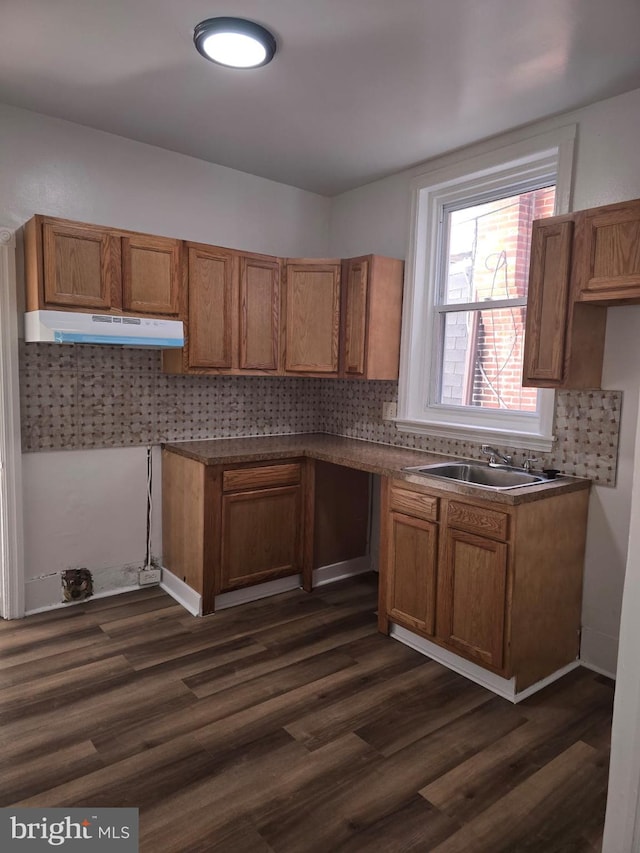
499, 478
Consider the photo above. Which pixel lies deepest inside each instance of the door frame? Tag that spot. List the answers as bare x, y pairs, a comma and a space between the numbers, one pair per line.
12, 597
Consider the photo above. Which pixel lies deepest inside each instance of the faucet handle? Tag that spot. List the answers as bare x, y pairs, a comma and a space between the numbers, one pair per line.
528, 462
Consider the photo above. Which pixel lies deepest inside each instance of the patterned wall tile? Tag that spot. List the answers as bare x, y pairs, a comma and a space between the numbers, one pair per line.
587, 425
97, 396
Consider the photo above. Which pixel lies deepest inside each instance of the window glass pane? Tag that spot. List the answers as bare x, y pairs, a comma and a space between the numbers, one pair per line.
489, 247
482, 360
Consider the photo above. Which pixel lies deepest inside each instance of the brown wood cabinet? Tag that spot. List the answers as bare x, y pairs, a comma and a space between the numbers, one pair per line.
233, 324
262, 524
580, 263
371, 317
78, 267
608, 271
500, 585
312, 312
564, 339
225, 527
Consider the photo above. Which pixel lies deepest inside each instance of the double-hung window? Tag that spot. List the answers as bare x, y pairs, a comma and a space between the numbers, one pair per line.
465, 311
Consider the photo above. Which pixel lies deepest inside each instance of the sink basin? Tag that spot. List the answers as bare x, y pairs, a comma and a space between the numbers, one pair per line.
477, 474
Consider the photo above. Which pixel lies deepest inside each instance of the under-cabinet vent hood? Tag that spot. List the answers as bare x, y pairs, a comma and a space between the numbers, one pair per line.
71, 327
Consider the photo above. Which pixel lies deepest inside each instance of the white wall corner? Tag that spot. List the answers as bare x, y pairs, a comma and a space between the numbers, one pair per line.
599, 652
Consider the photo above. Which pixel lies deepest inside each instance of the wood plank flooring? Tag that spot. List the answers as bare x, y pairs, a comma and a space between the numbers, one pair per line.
290, 725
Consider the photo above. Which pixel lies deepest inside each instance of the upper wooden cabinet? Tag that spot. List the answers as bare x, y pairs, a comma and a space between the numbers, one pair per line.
371, 317
564, 339
244, 313
76, 266
580, 263
259, 312
211, 293
608, 242
312, 312
233, 323
151, 275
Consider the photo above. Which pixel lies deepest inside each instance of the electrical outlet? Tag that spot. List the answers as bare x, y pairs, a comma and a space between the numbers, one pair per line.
147, 577
389, 411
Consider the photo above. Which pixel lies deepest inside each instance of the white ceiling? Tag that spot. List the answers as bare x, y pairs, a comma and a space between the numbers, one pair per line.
358, 88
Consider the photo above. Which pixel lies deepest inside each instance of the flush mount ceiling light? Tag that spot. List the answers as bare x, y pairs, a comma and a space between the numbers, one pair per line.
234, 42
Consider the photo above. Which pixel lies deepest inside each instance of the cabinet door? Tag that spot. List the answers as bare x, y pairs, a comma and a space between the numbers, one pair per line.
548, 301
609, 241
355, 324
261, 536
411, 567
210, 279
259, 313
312, 317
472, 597
81, 267
151, 275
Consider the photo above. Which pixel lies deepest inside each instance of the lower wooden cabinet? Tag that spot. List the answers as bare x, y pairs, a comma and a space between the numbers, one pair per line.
261, 536
473, 584
228, 526
413, 547
498, 584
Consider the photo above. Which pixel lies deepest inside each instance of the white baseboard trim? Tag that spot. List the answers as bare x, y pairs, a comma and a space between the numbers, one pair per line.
505, 687
339, 571
599, 651
192, 600
260, 590
104, 594
181, 592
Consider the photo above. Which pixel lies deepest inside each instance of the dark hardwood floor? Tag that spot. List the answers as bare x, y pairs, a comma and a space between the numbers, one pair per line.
289, 724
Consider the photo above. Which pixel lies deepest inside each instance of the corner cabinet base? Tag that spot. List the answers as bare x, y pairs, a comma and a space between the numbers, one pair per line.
505, 687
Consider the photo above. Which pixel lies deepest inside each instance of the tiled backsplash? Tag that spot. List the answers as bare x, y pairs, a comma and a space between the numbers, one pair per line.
84, 397
587, 425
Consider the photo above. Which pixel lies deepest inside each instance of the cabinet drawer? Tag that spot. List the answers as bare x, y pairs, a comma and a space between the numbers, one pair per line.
414, 503
478, 519
266, 475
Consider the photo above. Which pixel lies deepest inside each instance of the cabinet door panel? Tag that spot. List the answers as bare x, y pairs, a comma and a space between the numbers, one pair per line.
81, 267
313, 317
472, 596
210, 308
411, 585
261, 536
357, 277
548, 301
259, 313
610, 266
151, 275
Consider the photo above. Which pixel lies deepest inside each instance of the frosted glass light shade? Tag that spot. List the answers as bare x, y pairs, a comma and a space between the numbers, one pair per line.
234, 42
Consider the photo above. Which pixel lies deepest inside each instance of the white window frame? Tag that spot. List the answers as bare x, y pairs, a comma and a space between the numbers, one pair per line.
549, 156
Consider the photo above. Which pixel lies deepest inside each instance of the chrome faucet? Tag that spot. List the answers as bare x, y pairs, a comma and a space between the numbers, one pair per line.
528, 462
494, 455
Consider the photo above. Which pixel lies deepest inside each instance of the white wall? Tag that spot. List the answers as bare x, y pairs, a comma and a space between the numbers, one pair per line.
62, 169
607, 169
86, 508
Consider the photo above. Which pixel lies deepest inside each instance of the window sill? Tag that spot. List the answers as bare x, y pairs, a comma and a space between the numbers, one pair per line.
462, 432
